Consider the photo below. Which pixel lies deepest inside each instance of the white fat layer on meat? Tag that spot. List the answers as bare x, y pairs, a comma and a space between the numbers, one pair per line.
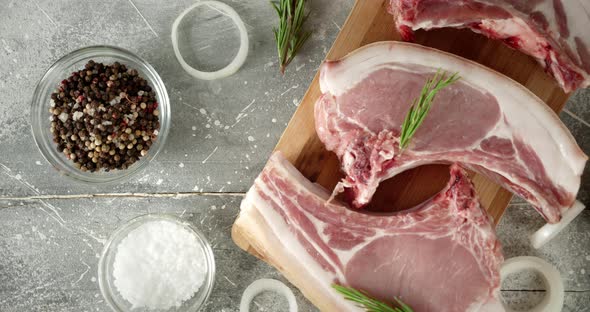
319, 226
486, 306
295, 252
501, 130
421, 161
578, 19
429, 24
277, 224
527, 115
346, 255
296, 260
489, 166
577, 13
555, 67
530, 42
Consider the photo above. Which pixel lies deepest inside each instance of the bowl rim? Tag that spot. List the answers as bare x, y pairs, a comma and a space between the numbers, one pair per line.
43, 144
106, 291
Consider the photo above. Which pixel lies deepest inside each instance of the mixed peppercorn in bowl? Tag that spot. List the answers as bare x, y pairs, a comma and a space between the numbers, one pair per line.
100, 114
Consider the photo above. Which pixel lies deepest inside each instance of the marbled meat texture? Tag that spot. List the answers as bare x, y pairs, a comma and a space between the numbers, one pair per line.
555, 32
442, 255
485, 122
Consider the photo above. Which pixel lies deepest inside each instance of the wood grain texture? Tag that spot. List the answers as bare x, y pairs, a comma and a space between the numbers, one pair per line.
369, 22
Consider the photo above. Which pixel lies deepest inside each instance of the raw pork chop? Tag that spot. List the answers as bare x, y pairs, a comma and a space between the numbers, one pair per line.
442, 255
485, 121
555, 32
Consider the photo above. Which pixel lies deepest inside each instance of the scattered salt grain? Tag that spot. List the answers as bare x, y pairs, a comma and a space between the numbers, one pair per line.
251, 138
159, 265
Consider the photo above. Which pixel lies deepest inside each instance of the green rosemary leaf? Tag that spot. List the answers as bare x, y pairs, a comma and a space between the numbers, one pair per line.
404, 307
368, 303
289, 34
422, 104
274, 5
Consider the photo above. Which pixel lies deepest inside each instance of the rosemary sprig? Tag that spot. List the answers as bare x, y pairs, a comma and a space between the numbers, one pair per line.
421, 105
289, 35
370, 304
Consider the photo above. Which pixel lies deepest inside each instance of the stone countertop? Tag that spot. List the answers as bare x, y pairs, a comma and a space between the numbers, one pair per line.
52, 229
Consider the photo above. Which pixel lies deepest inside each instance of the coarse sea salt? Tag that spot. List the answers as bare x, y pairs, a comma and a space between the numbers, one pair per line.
159, 265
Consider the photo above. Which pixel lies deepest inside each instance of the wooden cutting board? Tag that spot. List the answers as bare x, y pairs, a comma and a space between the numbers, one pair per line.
369, 22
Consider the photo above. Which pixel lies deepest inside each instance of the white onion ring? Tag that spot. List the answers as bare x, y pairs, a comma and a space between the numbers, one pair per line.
238, 60
554, 295
261, 285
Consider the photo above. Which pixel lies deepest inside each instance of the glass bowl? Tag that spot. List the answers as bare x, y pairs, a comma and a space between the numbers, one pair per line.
62, 69
105, 266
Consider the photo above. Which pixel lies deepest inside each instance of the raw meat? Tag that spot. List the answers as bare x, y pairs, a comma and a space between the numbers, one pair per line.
485, 122
555, 32
442, 255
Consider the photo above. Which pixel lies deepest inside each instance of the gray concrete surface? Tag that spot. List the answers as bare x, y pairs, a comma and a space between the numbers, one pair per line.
52, 229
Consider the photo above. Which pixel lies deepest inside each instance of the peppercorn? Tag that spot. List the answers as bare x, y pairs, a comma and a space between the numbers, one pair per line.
119, 120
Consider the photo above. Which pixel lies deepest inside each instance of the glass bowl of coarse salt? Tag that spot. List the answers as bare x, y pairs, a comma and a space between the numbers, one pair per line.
156, 262
42, 123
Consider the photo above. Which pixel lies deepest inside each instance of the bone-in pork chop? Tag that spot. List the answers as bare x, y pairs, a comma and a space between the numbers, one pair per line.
485, 121
442, 255
555, 32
